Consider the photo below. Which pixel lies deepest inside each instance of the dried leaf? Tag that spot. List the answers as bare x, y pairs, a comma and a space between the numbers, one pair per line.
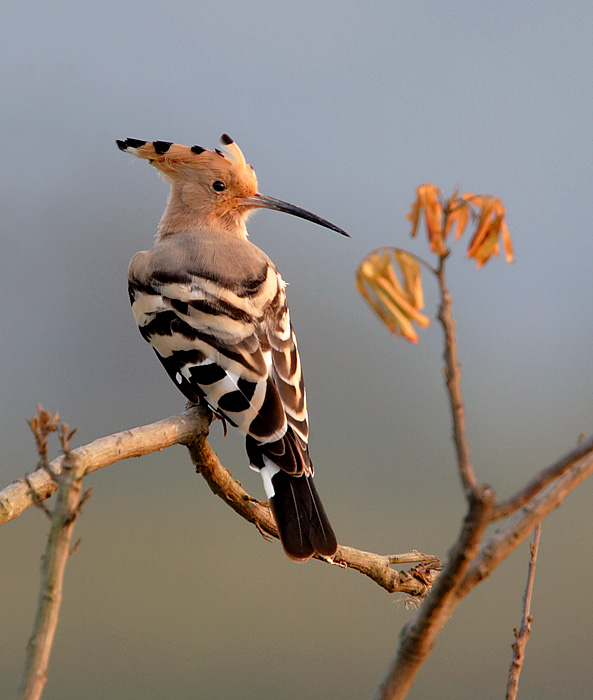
412, 278
507, 243
457, 217
414, 217
490, 227
429, 201
397, 304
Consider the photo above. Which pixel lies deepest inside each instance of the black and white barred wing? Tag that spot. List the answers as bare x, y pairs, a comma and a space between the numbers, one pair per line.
231, 345
223, 333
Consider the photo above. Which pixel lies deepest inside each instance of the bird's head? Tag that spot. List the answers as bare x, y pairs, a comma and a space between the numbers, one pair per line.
210, 189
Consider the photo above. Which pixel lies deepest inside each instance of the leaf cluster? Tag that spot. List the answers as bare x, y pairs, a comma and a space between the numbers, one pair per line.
397, 301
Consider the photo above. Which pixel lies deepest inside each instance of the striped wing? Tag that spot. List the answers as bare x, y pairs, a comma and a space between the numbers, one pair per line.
215, 313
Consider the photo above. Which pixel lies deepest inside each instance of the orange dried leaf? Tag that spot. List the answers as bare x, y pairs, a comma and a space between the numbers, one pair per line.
414, 217
398, 300
429, 201
402, 324
367, 293
412, 278
491, 226
507, 243
472, 198
458, 218
488, 211
396, 304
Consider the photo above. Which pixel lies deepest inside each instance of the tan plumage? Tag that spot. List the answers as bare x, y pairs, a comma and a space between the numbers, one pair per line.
213, 307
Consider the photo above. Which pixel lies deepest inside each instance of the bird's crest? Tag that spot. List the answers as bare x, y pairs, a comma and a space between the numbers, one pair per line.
174, 160
210, 189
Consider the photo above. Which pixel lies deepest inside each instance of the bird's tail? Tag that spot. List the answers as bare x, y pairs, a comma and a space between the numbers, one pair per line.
303, 525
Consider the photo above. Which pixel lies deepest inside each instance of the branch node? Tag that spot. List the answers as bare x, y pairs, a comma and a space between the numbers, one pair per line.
35, 497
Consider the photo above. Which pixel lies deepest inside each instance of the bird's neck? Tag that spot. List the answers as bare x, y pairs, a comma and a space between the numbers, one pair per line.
179, 217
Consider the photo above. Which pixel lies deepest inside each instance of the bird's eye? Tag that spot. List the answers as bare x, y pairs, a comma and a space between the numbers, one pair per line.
218, 186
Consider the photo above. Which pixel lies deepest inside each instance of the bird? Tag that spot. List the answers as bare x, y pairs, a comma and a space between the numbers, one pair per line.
213, 306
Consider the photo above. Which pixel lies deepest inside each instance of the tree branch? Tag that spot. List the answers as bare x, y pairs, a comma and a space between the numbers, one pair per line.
542, 479
416, 582
519, 525
176, 430
453, 382
69, 501
190, 429
418, 636
467, 567
522, 634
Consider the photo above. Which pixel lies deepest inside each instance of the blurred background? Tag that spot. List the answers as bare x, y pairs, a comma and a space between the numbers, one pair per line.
344, 109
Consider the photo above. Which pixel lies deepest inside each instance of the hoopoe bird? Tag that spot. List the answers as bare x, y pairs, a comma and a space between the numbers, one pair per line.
213, 307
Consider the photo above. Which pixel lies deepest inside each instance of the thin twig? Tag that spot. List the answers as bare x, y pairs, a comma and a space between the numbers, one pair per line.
410, 557
53, 565
453, 382
522, 634
542, 479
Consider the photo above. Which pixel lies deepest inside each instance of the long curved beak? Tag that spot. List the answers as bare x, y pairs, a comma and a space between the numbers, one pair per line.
262, 201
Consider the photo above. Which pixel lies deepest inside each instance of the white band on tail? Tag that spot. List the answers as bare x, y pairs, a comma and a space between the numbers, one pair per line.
267, 473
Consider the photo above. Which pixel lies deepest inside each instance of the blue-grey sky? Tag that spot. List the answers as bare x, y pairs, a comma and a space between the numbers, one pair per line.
344, 109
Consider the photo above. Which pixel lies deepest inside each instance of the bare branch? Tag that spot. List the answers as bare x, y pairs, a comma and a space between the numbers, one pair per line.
510, 534
17, 497
453, 381
190, 429
418, 636
416, 582
522, 634
410, 557
542, 479
222, 484
57, 551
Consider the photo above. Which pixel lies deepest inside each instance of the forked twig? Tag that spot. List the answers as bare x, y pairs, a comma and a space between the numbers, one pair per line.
68, 504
